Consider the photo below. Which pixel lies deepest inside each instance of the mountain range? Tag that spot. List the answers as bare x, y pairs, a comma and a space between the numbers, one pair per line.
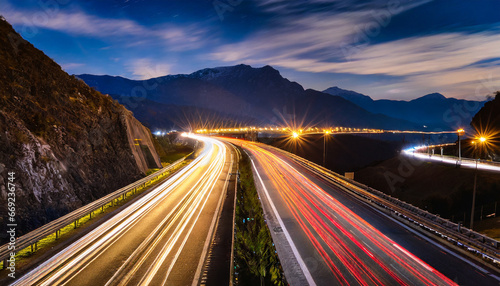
240, 93
433, 110
262, 96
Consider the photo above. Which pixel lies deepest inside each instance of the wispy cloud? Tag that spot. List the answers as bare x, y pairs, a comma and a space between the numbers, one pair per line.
147, 68
78, 23
318, 36
69, 66
317, 42
417, 55
337, 38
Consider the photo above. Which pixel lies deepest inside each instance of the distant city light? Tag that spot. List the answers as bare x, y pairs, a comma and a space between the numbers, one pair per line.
314, 130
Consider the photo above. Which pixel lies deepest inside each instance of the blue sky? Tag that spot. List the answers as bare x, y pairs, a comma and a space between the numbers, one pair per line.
397, 49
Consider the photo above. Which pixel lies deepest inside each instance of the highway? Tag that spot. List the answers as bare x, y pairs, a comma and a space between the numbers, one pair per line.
325, 236
160, 239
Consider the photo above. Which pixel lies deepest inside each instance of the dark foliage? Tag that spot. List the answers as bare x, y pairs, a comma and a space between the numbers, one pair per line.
256, 260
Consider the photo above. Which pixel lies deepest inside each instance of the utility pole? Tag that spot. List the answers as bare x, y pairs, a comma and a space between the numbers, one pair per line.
324, 151
473, 199
461, 130
480, 140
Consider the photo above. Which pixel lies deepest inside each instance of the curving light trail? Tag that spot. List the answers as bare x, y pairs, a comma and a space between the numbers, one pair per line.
166, 240
465, 163
354, 251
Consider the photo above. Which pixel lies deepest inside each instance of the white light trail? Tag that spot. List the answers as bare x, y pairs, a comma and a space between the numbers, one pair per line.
77, 256
467, 163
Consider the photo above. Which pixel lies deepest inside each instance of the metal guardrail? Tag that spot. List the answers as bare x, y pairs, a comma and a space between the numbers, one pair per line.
481, 161
469, 240
463, 159
55, 226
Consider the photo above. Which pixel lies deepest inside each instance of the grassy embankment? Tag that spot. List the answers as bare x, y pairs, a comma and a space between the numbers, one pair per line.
256, 259
168, 151
440, 189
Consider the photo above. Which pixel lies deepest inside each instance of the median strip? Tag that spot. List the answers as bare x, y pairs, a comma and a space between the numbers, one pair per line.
255, 256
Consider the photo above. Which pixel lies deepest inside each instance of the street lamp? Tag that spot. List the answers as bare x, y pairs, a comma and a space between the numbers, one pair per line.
324, 147
294, 140
459, 131
480, 140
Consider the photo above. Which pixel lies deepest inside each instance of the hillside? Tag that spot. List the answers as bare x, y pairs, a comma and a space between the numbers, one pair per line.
162, 116
487, 122
244, 92
345, 152
440, 189
67, 143
433, 110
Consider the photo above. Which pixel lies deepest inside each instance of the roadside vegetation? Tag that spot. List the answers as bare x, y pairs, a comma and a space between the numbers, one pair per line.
169, 151
256, 259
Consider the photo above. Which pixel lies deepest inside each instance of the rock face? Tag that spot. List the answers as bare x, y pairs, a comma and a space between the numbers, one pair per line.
67, 143
140, 138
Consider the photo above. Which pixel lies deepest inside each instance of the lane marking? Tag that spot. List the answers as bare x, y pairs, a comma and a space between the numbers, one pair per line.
419, 235
440, 246
296, 253
215, 220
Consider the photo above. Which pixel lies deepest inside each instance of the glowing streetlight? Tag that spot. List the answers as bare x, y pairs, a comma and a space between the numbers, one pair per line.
460, 131
295, 134
481, 139
324, 147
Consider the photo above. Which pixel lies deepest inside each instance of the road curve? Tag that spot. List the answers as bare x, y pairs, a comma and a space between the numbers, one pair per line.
157, 240
336, 239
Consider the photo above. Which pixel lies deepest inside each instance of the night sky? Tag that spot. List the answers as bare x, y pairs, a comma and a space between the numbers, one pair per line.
395, 49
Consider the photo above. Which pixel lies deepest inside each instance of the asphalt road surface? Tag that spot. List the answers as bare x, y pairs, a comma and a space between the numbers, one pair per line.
160, 239
324, 236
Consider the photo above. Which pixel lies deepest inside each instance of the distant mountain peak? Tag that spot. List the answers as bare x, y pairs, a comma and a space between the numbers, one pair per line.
86, 75
270, 68
225, 71
347, 94
433, 96
430, 109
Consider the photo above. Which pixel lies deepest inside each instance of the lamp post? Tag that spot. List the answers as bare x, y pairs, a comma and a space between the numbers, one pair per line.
324, 147
461, 130
481, 140
295, 137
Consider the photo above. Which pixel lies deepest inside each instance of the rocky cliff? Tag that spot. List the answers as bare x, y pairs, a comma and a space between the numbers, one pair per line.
67, 143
